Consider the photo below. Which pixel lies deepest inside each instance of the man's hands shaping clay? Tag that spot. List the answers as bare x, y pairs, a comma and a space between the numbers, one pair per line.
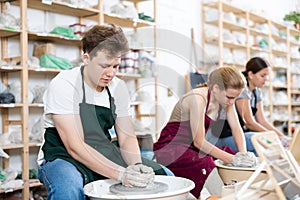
244, 159
137, 175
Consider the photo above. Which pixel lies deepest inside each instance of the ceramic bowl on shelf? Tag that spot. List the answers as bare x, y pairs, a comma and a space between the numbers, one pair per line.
178, 189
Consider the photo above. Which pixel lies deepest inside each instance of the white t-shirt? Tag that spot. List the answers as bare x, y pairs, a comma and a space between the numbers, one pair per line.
65, 93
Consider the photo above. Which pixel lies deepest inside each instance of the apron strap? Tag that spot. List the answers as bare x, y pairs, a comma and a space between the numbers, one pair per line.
83, 89
208, 100
255, 97
111, 100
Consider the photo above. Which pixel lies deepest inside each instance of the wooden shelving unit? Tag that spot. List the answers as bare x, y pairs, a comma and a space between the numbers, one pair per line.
249, 25
126, 22
32, 183
60, 8
24, 72
135, 25
52, 38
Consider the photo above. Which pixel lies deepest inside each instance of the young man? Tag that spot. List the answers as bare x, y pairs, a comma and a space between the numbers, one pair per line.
81, 105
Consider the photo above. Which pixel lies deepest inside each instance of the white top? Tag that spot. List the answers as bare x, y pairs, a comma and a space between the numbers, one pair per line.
65, 93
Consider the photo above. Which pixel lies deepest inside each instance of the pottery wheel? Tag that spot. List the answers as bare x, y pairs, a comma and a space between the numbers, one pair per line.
152, 189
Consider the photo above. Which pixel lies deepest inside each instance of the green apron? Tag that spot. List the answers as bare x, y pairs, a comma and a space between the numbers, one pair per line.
96, 122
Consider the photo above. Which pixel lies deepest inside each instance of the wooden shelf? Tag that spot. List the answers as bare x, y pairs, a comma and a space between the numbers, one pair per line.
147, 115
36, 105
35, 144
295, 73
137, 1
276, 68
295, 92
44, 70
294, 43
226, 7
278, 37
229, 45
126, 22
297, 108
280, 105
280, 87
60, 8
257, 49
257, 18
32, 183
295, 103
295, 89
12, 146
125, 76
229, 25
6, 68
35, 183
9, 32
46, 37
11, 105
255, 32
295, 58
135, 103
279, 53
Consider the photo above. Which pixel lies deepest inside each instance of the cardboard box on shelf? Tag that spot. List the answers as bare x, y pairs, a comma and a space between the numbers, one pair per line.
16, 60
41, 49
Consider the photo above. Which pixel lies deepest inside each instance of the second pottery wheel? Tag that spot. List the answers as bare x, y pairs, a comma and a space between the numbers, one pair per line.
156, 187
231, 174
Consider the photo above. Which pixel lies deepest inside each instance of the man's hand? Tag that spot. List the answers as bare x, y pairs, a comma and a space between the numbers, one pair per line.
142, 168
137, 176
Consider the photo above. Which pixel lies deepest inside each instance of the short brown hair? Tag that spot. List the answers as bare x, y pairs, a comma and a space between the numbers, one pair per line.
108, 38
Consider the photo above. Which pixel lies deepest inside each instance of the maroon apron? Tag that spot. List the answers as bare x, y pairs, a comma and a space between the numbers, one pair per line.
175, 149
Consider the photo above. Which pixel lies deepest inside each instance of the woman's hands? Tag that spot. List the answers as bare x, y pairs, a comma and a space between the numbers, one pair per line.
244, 159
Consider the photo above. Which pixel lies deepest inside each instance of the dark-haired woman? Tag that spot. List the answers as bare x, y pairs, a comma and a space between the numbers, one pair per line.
250, 108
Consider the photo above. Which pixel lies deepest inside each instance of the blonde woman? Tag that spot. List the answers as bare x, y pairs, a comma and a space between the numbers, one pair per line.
182, 145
